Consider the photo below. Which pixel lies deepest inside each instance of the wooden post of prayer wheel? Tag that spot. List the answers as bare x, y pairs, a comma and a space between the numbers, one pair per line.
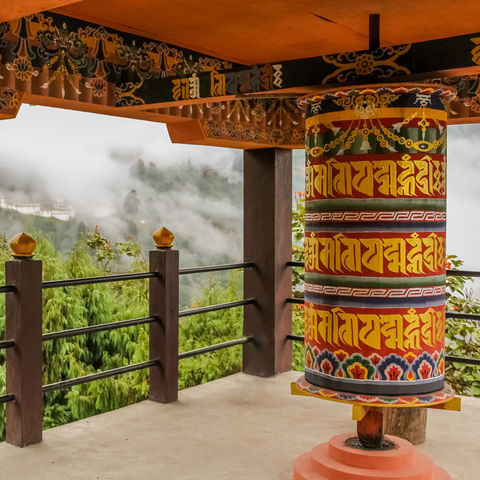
407, 423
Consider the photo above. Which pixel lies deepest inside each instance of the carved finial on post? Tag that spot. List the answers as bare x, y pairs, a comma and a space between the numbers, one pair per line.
23, 246
163, 238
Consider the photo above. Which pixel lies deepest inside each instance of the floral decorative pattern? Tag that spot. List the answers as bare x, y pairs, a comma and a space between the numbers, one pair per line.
436, 398
390, 368
358, 367
22, 66
91, 56
327, 363
350, 66
393, 367
424, 366
309, 356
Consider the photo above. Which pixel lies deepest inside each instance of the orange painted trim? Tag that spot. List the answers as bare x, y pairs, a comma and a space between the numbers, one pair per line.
13, 9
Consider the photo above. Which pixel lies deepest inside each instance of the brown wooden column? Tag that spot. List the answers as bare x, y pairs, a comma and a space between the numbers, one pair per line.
267, 233
164, 333
24, 361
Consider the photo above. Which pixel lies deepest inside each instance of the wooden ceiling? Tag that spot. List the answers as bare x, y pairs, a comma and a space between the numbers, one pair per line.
253, 31
249, 32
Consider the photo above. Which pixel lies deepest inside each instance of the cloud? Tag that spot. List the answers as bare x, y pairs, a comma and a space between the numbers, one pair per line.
86, 160
463, 193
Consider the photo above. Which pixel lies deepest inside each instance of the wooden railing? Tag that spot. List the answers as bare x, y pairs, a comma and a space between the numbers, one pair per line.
24, 336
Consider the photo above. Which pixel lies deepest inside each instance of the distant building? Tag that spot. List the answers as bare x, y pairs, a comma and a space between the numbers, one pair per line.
59, 209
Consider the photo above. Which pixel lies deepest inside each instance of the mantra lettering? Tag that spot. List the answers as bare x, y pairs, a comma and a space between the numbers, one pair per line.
416, 254
408, 331
408, 177
256, 79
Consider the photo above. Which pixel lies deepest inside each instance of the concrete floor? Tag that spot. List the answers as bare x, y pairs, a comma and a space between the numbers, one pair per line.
240, 427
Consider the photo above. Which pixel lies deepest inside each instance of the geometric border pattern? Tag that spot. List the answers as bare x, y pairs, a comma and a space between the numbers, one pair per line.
376, 292
366, 216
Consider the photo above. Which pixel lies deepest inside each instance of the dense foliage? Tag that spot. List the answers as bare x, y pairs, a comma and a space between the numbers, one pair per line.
298, 277
73, 307
462, 336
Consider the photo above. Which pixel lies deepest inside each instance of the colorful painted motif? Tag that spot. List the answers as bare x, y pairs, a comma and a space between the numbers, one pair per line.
440, 397
80, 57
268, 121
352, 66
367, 253
375, 240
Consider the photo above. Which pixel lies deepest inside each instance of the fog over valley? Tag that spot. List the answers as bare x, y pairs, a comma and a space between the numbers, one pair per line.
127, 177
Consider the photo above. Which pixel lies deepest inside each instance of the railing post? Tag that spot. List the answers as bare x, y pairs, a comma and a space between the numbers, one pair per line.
164, 333
24, 361
267, 241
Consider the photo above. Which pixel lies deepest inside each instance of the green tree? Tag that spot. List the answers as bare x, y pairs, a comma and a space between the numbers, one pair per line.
298, 278
462, 337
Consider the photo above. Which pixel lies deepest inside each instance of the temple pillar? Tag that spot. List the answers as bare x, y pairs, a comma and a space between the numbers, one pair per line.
267, 241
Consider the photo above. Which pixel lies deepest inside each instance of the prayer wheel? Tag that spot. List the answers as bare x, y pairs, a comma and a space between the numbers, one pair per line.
375, 240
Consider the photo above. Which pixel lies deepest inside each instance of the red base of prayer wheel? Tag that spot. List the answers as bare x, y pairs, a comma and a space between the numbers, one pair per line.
335, 460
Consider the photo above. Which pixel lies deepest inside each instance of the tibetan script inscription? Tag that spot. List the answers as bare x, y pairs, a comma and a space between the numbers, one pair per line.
414, 254
255, 79
381, 178
404, 331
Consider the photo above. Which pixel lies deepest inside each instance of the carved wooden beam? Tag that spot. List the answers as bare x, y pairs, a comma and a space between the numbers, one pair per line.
241, 123
10, 102
54, 55
60, 61
448, 57
50, 55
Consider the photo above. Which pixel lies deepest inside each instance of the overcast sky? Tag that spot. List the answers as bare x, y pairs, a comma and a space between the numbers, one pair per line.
70, 153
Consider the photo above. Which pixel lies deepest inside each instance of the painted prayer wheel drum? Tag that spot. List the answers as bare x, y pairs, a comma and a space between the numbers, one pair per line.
375, 240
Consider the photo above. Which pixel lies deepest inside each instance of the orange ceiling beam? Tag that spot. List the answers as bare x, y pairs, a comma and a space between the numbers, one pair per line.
205, 99
13, 9
252, 31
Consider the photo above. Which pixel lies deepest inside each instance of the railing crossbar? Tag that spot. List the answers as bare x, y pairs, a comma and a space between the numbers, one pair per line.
98, 376
465, 360
7, 288
215, 268
295, 300
6, 344
98, 328
291, 263
7, 398
463, 273
212, 348
73, 282
213, 308
296, 338
464, 316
